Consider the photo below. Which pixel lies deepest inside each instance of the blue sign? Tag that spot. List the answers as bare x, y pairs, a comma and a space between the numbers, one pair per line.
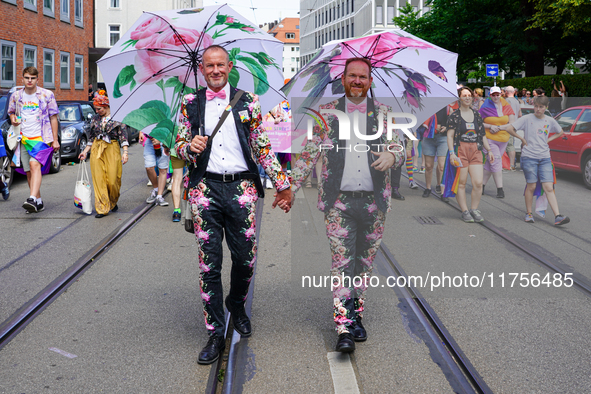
492, 70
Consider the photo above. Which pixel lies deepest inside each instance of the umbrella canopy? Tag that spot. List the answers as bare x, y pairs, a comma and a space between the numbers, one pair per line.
156, 62
409, 74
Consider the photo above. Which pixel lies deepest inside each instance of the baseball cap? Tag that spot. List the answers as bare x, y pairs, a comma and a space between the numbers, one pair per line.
495, 89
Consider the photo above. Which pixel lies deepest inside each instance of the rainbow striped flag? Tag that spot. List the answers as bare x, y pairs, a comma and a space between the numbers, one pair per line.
451, 178
541, 199
37, 149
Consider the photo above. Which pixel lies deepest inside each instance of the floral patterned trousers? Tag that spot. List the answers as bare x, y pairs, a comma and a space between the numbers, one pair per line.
220, 208
354, 227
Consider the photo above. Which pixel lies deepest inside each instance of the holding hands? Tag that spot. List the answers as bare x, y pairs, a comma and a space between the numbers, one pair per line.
198, 144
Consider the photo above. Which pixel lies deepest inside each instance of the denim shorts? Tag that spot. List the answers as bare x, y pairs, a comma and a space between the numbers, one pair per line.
150, 158
537, 169
436, 146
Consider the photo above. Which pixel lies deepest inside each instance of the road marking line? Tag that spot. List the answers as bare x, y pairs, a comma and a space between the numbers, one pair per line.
343, 375
63, 353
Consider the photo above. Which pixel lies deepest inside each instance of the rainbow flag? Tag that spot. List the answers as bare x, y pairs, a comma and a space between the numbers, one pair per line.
541, 199
451, 178
37, 149
431, 126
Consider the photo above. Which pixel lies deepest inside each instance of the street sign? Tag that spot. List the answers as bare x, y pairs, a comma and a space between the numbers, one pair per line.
492, 70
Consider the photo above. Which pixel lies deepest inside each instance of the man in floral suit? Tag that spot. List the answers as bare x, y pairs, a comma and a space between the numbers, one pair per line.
224, 186
354, 195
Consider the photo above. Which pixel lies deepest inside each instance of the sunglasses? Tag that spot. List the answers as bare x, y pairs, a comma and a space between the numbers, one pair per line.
528, 94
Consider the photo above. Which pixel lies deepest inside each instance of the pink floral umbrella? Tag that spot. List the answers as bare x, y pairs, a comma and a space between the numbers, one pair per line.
156, 62
410, 74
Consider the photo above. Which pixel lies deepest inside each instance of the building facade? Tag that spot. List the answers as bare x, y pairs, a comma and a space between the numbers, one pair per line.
288, 32
52, 35
114, 17
326, 20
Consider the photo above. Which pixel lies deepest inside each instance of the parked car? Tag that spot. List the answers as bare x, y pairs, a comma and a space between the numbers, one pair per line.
5, 168
526, 109
75, 119
572, 152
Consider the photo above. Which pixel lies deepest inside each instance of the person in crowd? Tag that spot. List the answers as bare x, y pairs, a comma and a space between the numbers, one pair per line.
435, 146
37, 111
563, 93
466, 137
155, 154
354, 195
396, 173
223, 188
106, 139
478, 98
535, 156
3, 185
539, 92
520, 97
528, 98
510, 92
90, 92
496, 111
555, 102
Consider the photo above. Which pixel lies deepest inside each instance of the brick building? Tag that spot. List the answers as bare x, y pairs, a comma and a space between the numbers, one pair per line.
52, 35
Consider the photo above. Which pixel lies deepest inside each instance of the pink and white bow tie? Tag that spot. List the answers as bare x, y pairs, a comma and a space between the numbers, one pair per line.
209, 94
359, 107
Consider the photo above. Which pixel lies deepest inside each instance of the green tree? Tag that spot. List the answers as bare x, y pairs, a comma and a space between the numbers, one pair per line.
572, 16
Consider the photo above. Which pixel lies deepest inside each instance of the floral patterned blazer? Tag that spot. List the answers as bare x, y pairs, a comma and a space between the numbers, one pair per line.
253, 139
334, 160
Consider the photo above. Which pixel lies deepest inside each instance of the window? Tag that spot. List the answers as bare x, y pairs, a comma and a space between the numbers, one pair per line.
293, 69
347, 31
315, 21
87, 109
114, 3
293, 49
290, 35
78, 16
343, 32
390, 15
352, 29
64, 70
584, 123
567, 119
297, 49
352, 6
338, 10
298, 27
322, 19
31, 5
347, 7
379, 15
65, 10
48, 8
48, 81
10, 1
338, 34
78, 67
30, 56
114, 34
330, 36
293, 59
8, 64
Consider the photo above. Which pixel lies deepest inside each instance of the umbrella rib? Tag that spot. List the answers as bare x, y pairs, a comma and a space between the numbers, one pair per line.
265, 82
181, 39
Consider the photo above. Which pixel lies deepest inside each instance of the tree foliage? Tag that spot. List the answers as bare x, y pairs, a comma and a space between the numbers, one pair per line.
573, 17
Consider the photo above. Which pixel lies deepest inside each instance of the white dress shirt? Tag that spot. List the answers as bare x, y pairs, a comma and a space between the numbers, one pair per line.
226, 153
356, 174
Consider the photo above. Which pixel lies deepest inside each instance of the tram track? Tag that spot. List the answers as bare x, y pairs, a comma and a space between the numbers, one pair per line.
580, 282
32, 308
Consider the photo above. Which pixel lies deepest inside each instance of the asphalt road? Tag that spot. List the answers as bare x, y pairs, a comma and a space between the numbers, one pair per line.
135, 324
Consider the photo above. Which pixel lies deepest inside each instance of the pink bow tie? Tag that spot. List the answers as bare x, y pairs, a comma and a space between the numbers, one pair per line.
209, 94
359, 107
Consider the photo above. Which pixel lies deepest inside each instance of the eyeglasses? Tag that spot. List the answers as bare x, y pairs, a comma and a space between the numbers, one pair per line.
30, 78
528, 94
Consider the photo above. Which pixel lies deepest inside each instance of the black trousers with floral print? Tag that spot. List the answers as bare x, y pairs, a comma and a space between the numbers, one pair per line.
354, 227
220, 208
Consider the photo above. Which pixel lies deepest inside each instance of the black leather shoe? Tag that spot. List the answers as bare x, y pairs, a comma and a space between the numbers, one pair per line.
239, 319
500, 192
426, 193
99, 215
359, 333
396, 195
212, 351
115, 208
345, 344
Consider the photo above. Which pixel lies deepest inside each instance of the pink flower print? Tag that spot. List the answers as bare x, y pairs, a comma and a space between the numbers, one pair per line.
229, 20
244, 184
339, 205
204, 267
372, 207
204, 201
205, 297
321, 205
149, 29
410, 99
203, 235
250, 233
247, 28
251, 264
342, 292
209, 327
419, 86
342, 311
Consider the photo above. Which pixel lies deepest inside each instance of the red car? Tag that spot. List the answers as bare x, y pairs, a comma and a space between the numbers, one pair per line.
572, 152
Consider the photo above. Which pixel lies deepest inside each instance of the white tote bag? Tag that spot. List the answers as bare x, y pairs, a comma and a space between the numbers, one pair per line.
13, 134
82, 192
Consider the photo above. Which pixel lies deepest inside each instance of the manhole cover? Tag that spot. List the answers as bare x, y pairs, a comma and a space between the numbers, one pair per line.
427, 220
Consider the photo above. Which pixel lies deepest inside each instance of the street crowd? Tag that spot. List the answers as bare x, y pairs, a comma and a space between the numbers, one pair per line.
228, 167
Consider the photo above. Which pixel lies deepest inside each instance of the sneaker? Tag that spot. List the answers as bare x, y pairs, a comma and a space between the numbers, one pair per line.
426, 193
40, 206
476, 215
176, 216
513, 169
160, 201
466, 217
561, 219
30, 205
529, 218
413, 185
169, 187
422, 170
500, 192
152, 197
5, 192
268, 184
438, 189
149, 183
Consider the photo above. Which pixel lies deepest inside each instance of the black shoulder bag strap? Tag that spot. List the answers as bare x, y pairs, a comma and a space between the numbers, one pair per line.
223, 117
